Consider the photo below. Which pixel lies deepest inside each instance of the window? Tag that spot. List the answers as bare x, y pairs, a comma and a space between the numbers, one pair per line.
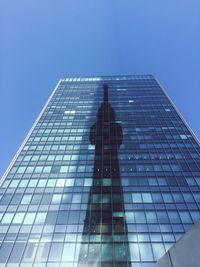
29, 218
33, 183
42, 183
147, 198
14, 184
23, 183
30, 252
19, 217
137, 198
185, 217
21, 169
183, 136
60, 183
40, 217
146, 252
151, 217
16, 199
55, 252
56, 198
26, 199
64, 169
5, 250
140, 217
174, 217
51, 183
68, 252
7, 218
158, 250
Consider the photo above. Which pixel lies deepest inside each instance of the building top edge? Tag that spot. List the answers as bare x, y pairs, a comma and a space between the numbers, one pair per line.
110, 77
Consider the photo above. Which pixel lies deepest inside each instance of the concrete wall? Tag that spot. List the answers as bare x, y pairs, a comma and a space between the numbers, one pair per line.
186, 252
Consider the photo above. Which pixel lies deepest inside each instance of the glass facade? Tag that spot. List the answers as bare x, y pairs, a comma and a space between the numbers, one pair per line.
108, 175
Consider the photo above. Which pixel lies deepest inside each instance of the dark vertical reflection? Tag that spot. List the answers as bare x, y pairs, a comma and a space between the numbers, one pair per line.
104, 239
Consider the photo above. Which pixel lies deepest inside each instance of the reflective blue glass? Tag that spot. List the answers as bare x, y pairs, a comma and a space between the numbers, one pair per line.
109, 175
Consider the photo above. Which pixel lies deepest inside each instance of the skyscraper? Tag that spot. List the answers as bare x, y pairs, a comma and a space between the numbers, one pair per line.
108, 175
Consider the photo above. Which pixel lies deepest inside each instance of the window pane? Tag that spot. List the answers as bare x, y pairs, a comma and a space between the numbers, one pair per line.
158, 250
55, 252
68, 252
134, 251
29, 218
146, 252
18, 217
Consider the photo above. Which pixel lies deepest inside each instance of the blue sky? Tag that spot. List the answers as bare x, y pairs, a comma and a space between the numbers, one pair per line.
42, 41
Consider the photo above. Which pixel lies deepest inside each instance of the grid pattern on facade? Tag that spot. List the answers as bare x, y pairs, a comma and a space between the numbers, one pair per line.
45, 195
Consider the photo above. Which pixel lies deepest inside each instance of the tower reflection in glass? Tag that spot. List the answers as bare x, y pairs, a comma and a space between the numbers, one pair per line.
104, 239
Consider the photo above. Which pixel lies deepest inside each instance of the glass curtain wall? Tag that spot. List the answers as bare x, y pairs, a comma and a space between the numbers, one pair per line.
71, 198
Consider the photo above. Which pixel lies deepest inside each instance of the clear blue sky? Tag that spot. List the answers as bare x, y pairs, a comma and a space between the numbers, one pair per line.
42, 41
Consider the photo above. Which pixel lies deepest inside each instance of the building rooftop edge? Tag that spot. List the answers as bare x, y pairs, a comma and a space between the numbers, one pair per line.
108, 77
